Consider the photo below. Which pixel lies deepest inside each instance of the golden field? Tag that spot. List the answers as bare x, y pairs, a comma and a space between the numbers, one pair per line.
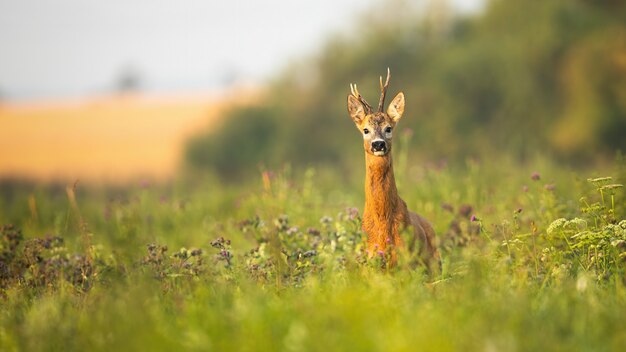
106, 139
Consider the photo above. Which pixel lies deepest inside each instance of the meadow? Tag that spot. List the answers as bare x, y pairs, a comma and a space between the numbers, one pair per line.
533, 259
252, 240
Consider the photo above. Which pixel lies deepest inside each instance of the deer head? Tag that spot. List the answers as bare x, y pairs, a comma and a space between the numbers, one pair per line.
376, 126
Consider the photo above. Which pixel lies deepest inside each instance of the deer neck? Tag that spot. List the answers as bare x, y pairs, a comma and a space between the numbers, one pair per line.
381, 194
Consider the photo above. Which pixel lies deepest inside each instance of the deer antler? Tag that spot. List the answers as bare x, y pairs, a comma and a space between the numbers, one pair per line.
356, 94
383, 91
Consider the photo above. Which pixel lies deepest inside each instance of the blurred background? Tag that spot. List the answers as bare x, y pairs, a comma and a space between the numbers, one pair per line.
118, 91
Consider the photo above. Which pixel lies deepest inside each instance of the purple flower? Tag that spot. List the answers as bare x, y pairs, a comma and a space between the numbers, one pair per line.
474, 218
465, 210
535, 176
313, 231
549, 187
353, 213
381, 253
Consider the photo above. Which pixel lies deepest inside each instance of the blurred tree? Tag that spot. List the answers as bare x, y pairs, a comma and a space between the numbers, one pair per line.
520, 78
129, 80
594, 77
247, 139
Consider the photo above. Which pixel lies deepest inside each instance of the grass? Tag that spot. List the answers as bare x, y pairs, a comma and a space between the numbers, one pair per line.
277, 264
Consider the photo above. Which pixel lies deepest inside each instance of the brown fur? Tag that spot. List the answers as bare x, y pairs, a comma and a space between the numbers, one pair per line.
386, 215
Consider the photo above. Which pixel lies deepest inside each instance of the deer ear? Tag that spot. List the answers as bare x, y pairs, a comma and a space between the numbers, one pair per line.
355, 109
396, 108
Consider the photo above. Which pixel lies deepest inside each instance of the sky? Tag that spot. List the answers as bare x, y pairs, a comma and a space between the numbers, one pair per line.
69, 48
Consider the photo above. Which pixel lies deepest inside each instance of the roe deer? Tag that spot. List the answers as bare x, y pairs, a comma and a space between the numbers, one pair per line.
386, 214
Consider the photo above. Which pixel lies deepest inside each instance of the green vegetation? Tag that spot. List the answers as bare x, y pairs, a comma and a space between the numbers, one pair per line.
523, 78
534, 252
278, 264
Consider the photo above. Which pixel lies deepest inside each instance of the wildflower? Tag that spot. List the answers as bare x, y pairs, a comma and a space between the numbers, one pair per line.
326, 220
611, 187
313, 231
447, 206
519, 210
183, 253
220, 242
535, 176
353, 213
292, 231
600, 179
474, 218
549, 187
465, 210
556, 224
281, 222
381, 253
225, 255
580, 223
621, 244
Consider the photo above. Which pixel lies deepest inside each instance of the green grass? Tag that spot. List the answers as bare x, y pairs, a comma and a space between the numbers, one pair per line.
290, 273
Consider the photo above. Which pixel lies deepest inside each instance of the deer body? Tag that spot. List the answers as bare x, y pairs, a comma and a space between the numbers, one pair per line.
386, 215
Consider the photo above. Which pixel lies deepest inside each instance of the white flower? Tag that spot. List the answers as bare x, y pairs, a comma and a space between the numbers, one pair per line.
556, 224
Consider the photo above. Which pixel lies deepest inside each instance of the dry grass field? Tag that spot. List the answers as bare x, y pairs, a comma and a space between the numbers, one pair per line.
106, 139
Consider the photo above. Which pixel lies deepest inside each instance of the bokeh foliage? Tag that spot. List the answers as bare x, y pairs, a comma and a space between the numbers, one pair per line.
520, 78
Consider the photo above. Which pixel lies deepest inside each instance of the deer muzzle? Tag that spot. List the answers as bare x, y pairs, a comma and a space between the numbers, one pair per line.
379, 147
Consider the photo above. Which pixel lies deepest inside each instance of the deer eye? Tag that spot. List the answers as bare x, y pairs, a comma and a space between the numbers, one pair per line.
388, 130
366, 131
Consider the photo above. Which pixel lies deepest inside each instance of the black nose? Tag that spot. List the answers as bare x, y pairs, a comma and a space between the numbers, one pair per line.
378, 146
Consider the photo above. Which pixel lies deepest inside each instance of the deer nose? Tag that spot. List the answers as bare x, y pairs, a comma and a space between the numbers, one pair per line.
379, 145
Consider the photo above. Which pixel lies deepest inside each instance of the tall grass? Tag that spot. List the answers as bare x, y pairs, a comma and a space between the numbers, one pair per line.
533, 259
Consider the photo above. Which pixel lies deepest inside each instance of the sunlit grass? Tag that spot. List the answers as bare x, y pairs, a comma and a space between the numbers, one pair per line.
277, 264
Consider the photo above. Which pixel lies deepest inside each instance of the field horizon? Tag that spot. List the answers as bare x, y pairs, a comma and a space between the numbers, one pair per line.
109, 139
